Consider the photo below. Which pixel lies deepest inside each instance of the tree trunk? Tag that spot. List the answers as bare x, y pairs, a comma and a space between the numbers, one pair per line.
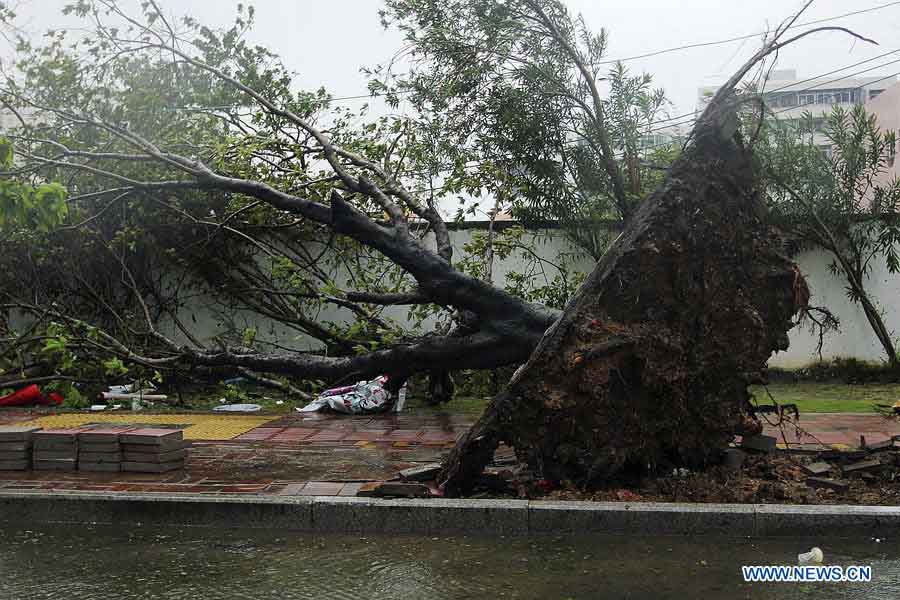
649, 365
878, 326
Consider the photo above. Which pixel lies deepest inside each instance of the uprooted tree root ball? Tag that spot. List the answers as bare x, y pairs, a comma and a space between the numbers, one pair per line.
649, 366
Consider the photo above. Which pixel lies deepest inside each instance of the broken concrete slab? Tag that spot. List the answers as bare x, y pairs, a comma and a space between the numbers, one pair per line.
838, 485
867, 466
817, 468
421, 473
759, 443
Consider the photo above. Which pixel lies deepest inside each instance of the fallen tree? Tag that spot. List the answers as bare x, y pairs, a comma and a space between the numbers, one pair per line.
649, 365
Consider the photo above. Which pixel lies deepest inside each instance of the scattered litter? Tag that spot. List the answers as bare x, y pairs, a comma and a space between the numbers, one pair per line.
235, 381
238, 408
361, 398
279, 402
31, 395
98, 407
813, 557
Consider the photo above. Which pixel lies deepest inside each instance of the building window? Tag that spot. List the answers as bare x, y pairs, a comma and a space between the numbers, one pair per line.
874, 94
807, 99
826, 149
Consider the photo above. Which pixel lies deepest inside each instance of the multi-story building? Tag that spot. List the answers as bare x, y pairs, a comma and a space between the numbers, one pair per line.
789, 98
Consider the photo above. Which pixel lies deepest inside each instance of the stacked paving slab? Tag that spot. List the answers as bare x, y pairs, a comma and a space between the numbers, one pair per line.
15, 448
55, 449
99, 450
152, 450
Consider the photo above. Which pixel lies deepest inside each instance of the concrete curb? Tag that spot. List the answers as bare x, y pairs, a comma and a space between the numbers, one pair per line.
335, 514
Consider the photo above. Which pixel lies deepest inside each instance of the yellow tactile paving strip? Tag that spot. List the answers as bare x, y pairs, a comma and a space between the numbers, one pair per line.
196, 427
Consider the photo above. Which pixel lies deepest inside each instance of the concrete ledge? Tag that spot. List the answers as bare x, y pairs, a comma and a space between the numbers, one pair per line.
334, 514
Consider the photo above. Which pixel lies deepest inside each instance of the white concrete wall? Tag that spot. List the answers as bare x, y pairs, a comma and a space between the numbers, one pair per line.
855, 339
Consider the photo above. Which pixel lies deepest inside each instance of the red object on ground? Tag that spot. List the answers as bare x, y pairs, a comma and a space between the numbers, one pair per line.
30, 395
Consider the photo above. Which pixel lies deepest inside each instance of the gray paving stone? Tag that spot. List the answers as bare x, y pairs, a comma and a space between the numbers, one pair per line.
100, 467
43, 454
54, 465
99, 457
15, 465
15, 455
12, 433
15, 446
818, 468
99, 447
161, 457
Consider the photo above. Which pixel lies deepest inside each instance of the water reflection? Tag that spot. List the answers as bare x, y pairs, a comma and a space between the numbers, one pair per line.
90, 563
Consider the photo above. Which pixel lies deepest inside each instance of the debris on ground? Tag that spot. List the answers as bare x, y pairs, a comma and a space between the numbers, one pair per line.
240, 408
31, 396
364, 397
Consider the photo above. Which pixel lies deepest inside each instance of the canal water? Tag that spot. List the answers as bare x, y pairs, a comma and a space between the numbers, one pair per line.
94, 563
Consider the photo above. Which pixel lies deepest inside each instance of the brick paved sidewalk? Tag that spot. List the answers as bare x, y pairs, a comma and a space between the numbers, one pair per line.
324, 455
277, 454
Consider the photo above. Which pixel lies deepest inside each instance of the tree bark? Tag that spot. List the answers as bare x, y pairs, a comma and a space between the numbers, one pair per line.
649, 365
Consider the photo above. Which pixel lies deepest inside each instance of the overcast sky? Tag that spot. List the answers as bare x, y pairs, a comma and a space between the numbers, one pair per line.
327, 41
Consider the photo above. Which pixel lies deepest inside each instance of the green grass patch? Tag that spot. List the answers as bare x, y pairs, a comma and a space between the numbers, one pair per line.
813, 397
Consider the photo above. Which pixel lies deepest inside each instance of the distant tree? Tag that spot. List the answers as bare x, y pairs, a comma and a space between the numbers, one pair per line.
520, 101
193, 168
840, 200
